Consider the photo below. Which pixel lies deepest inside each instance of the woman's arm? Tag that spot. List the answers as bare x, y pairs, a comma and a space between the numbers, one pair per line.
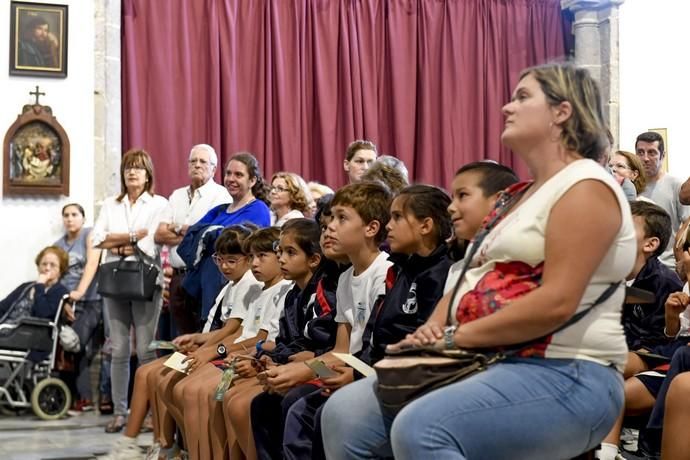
93, 256
581, 227
113, 240
101, 236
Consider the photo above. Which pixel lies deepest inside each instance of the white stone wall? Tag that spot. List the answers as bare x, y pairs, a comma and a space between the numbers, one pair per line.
655, 76
29, 223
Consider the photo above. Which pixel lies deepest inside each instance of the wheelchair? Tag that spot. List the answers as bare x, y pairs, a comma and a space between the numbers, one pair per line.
27, 360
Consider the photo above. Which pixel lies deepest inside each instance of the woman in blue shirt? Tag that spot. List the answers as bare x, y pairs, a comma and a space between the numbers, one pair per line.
249, 196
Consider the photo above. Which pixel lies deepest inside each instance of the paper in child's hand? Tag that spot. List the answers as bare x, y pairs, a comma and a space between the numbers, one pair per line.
320, 369
356, 363
161, 345
175, 362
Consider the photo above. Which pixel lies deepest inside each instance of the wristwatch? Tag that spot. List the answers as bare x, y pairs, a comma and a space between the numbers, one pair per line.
222, 350
449, 337
259, 344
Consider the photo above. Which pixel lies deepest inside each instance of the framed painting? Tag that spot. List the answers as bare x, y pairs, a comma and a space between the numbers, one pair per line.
38, 39
36, 155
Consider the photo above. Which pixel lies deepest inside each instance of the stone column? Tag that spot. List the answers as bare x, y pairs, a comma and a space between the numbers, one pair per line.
108, 116
596, 48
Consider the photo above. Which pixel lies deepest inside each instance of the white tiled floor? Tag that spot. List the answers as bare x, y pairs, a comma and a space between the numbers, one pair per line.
28, 438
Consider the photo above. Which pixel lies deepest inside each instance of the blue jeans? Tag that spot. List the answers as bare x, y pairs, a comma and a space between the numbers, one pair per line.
518, 409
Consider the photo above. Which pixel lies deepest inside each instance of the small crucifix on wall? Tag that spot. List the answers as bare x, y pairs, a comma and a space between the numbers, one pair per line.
38, 94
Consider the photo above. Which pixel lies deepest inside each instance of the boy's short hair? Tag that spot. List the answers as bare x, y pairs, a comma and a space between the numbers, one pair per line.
657, 223
231, 239
494, 176
371, 200
262, 240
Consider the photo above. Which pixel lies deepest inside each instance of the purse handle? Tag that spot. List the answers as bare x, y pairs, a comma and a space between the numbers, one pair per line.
140, 255
504, 204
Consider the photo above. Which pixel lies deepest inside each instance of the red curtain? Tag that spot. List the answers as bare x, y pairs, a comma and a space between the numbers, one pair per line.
294, 81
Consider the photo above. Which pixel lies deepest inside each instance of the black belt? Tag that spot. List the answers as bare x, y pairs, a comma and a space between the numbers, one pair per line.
179, 271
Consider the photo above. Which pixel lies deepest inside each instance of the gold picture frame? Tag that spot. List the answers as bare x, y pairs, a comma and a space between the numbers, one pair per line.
38, 39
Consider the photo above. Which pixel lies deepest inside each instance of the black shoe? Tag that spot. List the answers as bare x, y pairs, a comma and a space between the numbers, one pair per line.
105, 407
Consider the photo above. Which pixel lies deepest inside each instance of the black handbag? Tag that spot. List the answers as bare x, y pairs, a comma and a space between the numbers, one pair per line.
128, 279
408, 373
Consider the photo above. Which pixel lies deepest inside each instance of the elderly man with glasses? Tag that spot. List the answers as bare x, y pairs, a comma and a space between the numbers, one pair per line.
186, 206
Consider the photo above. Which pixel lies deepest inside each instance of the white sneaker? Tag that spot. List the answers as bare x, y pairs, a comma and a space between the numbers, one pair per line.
629, 438
125, 449
629, 435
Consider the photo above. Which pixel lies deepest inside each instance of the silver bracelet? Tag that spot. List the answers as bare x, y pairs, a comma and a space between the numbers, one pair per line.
671, 336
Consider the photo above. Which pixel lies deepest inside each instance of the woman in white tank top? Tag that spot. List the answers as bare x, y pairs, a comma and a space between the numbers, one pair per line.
568, 238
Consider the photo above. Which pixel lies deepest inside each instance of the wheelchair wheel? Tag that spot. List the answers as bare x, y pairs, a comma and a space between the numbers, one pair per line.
51, 399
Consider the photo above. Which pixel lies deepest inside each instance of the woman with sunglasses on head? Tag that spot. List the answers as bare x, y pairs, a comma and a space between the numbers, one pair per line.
125, 228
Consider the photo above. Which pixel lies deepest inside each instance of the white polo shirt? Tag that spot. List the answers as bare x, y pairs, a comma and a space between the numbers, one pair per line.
186, 208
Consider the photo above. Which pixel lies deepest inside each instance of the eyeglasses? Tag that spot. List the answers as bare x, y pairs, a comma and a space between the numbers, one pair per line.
230, 261
615, 166
278, 189
134, 168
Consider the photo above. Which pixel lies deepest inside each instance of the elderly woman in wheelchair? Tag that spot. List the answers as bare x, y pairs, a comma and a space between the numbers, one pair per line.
28, 333
40, 298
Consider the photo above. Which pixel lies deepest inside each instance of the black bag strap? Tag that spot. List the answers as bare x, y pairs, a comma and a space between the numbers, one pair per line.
504, 204
141, 255
603, 297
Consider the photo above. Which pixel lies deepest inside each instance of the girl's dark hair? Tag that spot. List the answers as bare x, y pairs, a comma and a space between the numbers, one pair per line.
261, 240
323, 207
494, 177
231, 239
306, 234
261, 189
424, 201
76, 205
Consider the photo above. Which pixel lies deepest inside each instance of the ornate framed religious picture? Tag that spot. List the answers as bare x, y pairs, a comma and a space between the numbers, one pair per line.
36, 154
38, 39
